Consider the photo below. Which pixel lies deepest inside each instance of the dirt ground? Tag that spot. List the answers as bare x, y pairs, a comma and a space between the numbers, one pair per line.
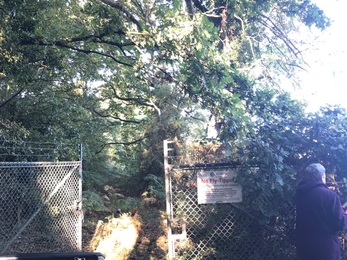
140, 234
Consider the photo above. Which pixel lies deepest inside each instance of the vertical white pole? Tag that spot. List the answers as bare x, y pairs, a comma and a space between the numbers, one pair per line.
168, 201
79, 205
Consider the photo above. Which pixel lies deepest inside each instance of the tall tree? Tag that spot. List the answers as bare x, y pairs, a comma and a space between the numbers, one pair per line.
114, 63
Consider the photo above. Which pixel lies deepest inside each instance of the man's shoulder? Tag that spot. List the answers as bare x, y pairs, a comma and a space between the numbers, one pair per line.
327, 192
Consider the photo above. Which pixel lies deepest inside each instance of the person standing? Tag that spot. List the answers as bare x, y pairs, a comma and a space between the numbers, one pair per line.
319, 217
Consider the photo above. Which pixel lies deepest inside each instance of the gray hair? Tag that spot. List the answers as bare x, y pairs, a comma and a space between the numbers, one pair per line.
314, 172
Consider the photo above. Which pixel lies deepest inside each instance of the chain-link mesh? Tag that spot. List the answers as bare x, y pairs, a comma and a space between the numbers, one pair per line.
219, 231
40, 207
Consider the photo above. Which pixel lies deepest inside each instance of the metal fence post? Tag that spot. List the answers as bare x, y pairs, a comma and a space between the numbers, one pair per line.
79, 208
171, 252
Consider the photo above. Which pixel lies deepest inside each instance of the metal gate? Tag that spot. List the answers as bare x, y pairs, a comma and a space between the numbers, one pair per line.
212, 231
40, 207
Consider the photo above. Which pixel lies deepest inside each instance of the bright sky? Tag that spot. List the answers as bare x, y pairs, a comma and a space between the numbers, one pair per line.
325, 81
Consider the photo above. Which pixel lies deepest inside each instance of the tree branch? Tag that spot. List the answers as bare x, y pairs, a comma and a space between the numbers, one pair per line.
139, 101
11, 98
114, 117
199, 5
121, 143
62, 44
278, 32
121, 7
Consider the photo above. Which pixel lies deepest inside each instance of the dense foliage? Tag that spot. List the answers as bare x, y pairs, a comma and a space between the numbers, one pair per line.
122, 76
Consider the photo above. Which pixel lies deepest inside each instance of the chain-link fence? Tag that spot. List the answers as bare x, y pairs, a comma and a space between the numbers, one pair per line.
40, 204
219, 231
227, 231
39, 207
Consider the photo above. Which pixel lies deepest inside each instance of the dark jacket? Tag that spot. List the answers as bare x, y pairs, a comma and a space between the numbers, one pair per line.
319, 216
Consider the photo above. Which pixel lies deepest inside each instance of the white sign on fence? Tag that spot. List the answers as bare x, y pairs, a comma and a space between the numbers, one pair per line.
218, 186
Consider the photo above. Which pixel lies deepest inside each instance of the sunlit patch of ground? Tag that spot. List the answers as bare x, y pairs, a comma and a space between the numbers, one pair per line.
138, 236
115, 238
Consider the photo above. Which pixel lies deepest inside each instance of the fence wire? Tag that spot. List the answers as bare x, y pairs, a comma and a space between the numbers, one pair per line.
40, 207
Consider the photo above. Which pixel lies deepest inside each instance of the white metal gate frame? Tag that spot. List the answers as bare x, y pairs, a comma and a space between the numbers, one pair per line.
179, 224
